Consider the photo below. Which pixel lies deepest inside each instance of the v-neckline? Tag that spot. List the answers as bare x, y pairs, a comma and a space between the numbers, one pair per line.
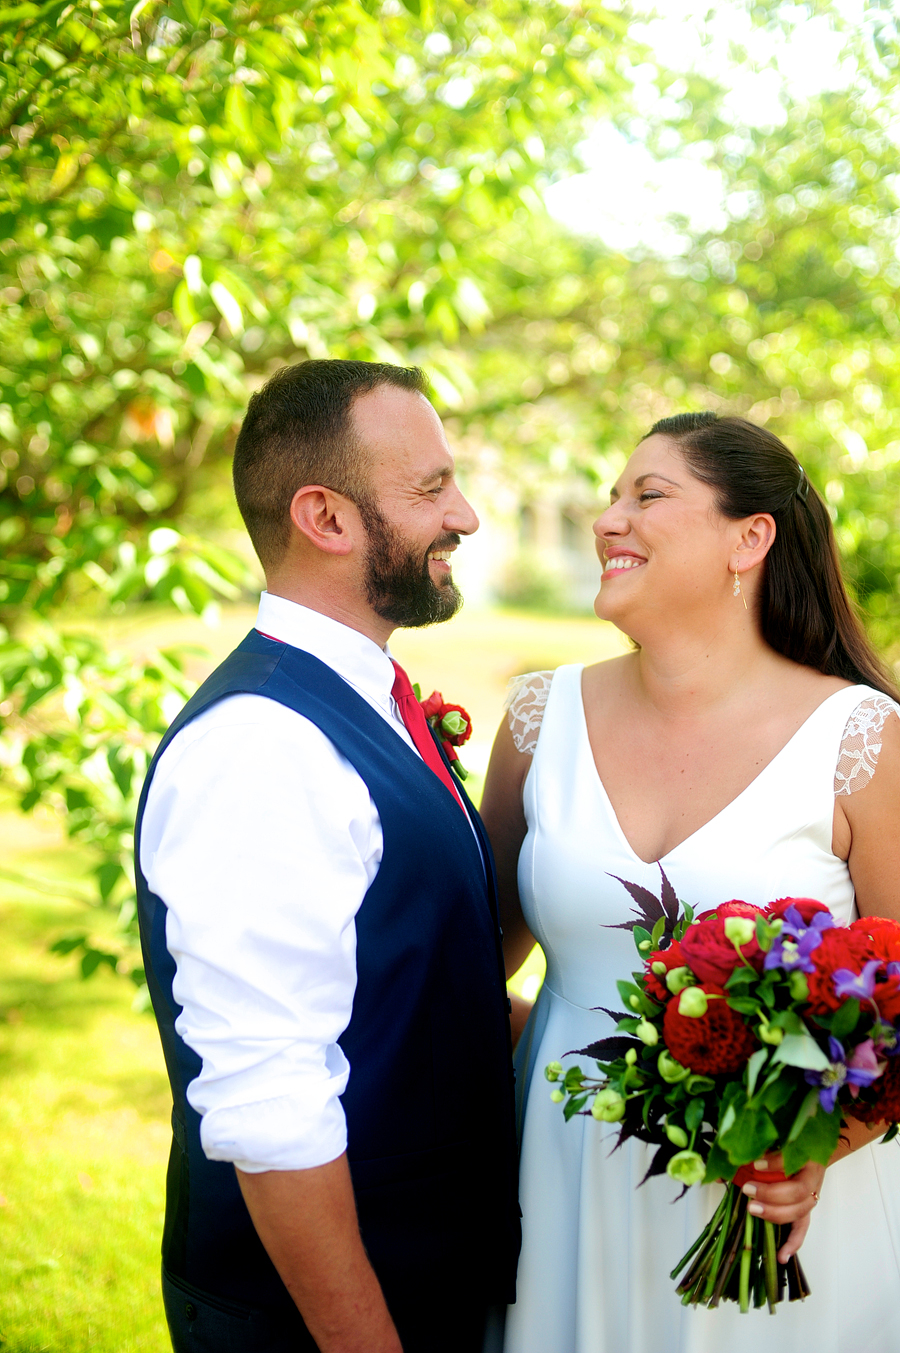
726, 807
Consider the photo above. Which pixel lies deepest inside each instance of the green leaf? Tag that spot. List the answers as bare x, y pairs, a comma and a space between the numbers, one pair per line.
693, 1113
779, 1088
805, 1112
754, 1066
718, 1166
642, 936
744, 1005
67, 944
573, 1106
801, 1050
817, 1141
845, 1019
749, 1136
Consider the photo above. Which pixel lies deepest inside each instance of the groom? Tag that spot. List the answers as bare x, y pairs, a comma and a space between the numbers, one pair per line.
318, 917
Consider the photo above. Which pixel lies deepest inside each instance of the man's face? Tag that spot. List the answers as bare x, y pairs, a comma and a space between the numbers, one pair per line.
415, 515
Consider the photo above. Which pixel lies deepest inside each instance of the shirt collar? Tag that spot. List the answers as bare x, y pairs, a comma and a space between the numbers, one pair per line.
356, 658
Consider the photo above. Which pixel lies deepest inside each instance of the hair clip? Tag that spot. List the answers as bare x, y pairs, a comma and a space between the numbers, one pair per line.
802, 489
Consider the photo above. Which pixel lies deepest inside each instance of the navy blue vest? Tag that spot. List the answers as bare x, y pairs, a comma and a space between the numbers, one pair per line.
429, 1104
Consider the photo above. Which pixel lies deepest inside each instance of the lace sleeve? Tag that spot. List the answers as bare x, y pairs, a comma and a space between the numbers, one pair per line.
526, 697
861, 743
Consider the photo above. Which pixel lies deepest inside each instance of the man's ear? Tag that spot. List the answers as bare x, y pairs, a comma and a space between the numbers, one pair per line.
328, 520
757, 538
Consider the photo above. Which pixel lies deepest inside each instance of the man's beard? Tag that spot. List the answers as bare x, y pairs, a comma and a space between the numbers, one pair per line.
399, 586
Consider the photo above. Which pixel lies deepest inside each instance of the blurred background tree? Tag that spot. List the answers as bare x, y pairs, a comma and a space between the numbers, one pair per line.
193, 195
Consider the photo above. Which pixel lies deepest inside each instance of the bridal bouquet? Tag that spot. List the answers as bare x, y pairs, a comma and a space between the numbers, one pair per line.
747, 1030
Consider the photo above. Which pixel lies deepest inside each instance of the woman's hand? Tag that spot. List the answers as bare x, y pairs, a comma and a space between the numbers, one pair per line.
789, 1201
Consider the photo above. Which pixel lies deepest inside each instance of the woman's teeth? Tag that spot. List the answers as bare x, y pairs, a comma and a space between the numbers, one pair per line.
624, 561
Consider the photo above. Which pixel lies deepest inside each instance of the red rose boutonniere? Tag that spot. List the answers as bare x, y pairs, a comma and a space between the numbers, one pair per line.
452, 725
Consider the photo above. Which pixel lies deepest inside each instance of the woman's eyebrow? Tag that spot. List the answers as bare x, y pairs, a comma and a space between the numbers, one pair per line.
642, 479
654, 474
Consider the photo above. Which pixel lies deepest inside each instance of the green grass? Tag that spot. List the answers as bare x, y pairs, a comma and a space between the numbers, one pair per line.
83, 1133
84, 1101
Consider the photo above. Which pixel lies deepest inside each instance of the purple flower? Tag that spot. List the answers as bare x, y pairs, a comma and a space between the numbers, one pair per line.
861, 985
797, 940
861, 1069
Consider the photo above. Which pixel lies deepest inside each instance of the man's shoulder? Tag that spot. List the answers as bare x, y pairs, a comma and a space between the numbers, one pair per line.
242, 724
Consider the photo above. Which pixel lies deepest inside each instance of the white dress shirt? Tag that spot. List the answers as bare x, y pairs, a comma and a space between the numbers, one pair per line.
262, 841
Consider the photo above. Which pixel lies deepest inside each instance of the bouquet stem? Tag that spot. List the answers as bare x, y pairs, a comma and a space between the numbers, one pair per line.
735, 1259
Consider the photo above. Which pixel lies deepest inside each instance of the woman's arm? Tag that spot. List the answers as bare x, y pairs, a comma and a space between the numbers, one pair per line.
867, 834
872, 816
504, 819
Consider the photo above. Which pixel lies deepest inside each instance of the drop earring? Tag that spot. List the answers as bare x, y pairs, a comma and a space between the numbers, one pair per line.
736, 590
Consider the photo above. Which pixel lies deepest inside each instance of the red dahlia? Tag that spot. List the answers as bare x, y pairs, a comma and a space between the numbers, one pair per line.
883, 935
841, 947
717, 1042
884, 1107
672, 958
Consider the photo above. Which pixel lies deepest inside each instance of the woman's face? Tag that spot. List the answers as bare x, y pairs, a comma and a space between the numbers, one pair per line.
666, 549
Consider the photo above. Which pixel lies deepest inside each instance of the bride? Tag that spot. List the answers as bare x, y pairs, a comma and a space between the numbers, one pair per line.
751, 745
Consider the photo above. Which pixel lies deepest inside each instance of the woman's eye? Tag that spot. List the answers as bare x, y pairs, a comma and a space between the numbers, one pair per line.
649, 496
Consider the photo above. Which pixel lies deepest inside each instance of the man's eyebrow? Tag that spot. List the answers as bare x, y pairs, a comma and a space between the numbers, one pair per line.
445, 472
642, 479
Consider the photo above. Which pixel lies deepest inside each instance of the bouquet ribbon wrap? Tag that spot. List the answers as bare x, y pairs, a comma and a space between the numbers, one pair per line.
748, 1175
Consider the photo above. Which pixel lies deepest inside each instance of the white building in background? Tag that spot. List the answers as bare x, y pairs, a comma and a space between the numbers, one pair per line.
535, 547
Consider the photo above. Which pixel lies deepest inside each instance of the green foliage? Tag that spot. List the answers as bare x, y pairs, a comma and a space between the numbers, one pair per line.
87, 723
191, 196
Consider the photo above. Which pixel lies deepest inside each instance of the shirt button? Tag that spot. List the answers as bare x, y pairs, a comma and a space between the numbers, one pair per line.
190, 1310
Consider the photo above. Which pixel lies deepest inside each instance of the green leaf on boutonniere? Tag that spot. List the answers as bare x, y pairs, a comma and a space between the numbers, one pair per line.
417, 690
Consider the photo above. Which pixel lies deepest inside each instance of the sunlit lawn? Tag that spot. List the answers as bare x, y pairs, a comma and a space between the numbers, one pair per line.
84, 1108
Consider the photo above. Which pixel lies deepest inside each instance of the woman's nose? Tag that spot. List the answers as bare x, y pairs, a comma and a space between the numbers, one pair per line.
610, 523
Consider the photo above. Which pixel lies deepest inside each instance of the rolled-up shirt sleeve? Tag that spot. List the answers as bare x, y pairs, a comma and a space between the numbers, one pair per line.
262, 841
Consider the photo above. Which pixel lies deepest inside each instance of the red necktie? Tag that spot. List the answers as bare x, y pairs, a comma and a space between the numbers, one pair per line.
417, 727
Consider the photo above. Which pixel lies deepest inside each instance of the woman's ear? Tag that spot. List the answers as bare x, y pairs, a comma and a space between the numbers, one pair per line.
756, 539
328, 520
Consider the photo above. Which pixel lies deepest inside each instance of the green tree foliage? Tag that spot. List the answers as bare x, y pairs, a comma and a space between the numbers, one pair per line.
788, 316
192, 195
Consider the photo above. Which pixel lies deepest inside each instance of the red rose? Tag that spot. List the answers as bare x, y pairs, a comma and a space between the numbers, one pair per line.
734, 908
432, 705
672, 957
435, 709
710, 954
807, 907
713, 1044
457, 739
841, 947
884, 1106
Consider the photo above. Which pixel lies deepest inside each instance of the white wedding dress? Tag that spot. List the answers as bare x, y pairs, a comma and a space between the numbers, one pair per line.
597, 1252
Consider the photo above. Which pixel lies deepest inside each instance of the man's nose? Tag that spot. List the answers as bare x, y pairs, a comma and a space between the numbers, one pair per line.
460, 516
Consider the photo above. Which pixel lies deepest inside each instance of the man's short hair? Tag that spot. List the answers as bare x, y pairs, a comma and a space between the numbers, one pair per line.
297, 431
